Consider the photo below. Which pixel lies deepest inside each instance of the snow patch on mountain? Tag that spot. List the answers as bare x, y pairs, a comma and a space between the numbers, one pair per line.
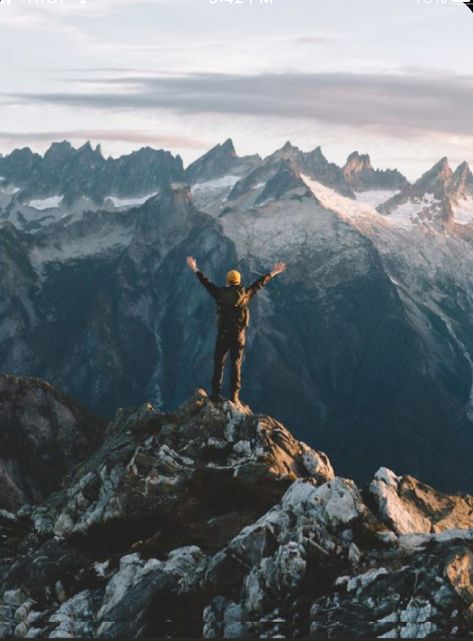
284, 228
130, 202
9, 191
79, 248
416, 211
217, 184
52, 202
211, 195
375, 197
334, 201
463, 211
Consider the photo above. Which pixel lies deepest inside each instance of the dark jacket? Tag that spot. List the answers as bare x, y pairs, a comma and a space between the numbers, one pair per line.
216, 291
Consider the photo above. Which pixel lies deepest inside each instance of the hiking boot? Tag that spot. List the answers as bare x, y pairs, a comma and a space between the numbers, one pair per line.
216, 397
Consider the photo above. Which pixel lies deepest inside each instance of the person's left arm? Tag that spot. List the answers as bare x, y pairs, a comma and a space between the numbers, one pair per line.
264, 280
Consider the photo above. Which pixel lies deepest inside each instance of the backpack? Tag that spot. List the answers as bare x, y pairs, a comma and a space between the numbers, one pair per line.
233, 312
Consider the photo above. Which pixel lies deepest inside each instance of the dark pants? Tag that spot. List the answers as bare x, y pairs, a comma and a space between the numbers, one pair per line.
232, 341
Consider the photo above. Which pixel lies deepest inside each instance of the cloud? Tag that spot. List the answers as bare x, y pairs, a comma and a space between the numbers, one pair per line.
115, 135
397, 104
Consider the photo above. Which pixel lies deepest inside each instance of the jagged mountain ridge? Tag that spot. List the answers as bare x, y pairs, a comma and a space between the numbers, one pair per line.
219, 161
38, 189
101, 304
214, 522
433, 196
312, 163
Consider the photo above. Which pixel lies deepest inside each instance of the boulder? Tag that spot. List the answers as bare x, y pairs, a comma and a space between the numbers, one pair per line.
409, 506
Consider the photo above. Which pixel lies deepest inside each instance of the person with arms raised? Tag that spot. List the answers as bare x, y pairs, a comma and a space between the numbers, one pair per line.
233, 317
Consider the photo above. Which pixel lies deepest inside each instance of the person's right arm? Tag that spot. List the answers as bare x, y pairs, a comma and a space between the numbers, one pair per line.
209, 286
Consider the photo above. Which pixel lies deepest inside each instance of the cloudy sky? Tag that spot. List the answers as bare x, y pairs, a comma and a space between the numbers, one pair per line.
388, 77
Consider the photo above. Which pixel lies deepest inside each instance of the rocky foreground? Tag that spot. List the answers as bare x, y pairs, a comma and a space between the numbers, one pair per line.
215, 522
42, 434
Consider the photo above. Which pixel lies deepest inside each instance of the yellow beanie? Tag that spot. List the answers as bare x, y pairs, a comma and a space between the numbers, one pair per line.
233, 277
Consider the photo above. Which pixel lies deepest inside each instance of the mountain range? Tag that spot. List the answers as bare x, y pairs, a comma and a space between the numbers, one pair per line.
364, 345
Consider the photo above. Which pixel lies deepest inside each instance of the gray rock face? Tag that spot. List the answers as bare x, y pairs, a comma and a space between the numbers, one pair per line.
461, 185
155, 466
221, 160
42, 433
215, 522
315, 165
360, 174
19, 165
409, 506
85, 302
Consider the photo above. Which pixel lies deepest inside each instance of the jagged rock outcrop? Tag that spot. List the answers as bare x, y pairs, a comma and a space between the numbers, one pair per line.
219, 161
409, 506
216, 162
42, 434
177, 467
18, 166
214, 522
359, 172
461, 186
159, 482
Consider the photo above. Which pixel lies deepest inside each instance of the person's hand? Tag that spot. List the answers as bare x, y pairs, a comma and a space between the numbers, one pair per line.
278, 268
192, 263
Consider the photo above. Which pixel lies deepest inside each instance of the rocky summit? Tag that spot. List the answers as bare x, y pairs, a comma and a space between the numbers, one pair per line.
212, 521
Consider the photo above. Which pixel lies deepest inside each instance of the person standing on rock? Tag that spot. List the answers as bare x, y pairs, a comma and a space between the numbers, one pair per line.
233, 316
